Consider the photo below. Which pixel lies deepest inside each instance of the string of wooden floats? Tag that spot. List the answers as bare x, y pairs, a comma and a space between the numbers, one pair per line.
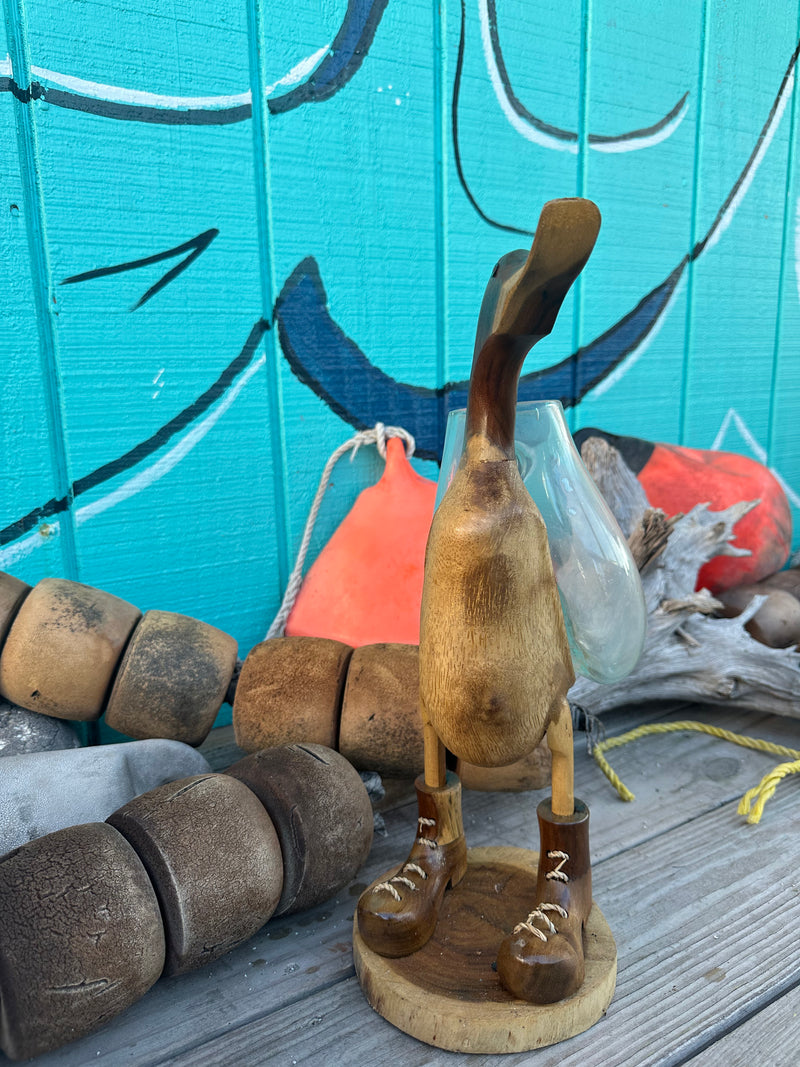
166, 675
93, 915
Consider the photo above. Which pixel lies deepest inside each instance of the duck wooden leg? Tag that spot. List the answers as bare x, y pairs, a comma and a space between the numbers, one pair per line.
542, 960
435, 766
397, 915
559, 741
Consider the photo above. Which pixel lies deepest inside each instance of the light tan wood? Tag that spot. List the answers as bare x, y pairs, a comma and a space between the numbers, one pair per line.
12, 593
380, 728
290, 690
172, 679
559, 741
63, 649
447, 993
435, 756
494, 659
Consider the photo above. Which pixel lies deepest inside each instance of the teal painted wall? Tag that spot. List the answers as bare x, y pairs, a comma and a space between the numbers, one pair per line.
337, 180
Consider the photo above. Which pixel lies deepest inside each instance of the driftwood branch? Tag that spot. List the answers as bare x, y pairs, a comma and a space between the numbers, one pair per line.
689, 654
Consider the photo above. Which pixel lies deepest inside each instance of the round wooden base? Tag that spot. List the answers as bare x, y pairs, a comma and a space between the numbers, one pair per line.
448, 994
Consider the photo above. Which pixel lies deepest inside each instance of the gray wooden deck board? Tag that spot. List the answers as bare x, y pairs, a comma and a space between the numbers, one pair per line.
771, 1037
675, 874
690, 916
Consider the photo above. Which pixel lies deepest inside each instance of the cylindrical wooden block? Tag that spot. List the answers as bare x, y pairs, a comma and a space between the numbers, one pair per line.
12, 593
63, 648
381, 727
530, 772
322, 813
172, 679
81, 936
214, 859
290, 688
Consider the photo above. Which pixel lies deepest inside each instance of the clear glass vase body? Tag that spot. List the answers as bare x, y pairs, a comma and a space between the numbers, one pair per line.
598, 582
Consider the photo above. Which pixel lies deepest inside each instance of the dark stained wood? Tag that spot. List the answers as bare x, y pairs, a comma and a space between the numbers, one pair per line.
213, 856
81, 936
321, 813
397, 916
522, 310
449, 994
544, 972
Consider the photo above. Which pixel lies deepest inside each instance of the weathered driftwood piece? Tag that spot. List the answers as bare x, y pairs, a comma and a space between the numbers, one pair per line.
688, 654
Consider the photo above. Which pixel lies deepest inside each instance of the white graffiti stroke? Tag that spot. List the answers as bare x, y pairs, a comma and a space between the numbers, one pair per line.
138, 97
547, 140
758, 450
142, 479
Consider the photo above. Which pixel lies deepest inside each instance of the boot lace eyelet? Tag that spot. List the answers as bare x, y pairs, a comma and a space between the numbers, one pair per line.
427, 842
539, 913
557, 875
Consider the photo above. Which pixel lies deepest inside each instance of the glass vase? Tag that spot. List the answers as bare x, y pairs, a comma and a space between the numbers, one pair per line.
598, 582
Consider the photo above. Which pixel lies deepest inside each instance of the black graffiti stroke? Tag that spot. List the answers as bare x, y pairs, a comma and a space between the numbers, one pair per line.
622, 336
556, 131
195, 247
145, 448
343, 59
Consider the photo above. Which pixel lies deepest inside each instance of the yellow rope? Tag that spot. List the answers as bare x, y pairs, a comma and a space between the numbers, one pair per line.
751, 804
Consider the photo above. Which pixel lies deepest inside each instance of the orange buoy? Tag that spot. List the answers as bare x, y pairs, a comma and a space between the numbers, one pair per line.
365, 587
677, 478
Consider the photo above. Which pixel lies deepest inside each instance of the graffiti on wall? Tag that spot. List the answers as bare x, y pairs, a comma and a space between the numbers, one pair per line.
319, 351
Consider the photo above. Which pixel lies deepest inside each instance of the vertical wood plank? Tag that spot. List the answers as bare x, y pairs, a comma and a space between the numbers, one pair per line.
736, 277
784, 431
164, 386
258, 44
516, 78
354, 189
644, 66
24, 157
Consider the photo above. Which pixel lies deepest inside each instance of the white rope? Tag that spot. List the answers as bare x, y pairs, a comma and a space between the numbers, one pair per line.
376, 436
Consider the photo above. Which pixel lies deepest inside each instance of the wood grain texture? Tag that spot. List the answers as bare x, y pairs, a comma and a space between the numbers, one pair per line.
682, 972
172, 679
448, 994
494, 660
381, 727
768, 1036
64, 648
305, 959
208, 522
130, 191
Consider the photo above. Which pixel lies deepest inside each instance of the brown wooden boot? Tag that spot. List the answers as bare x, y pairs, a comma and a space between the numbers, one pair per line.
397, 917
542, 960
